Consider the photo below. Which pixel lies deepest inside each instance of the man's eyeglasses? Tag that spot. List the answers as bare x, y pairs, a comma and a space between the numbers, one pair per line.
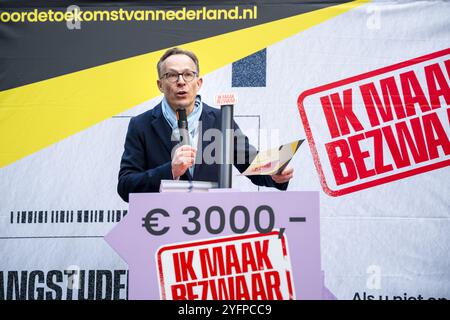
188, 76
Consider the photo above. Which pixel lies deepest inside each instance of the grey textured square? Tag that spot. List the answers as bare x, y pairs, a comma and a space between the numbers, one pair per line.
250, 71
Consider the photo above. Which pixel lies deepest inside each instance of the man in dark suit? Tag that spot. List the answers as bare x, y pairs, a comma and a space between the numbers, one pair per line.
152, 151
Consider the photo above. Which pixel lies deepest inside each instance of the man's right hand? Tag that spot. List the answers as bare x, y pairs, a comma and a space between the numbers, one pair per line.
183, 159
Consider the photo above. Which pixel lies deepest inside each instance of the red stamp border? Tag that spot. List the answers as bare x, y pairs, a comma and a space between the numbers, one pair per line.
340, 83
218, 240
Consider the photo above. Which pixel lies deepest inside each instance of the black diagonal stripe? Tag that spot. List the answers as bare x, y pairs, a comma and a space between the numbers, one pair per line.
32, 52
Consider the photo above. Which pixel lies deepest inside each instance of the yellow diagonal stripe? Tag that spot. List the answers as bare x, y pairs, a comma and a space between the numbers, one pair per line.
37, 115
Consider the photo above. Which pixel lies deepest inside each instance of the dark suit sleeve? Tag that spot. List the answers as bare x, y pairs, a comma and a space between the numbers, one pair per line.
134, 177
244, 153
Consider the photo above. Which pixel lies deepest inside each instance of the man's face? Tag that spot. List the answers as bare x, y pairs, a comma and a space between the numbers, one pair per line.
180, 93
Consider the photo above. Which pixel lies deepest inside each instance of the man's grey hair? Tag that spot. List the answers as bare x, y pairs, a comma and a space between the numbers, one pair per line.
175, 51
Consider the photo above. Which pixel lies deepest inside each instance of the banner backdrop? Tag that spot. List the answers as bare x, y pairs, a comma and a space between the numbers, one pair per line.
365, 82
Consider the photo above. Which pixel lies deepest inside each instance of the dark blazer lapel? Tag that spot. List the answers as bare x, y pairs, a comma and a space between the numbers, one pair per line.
207, 122
162, 129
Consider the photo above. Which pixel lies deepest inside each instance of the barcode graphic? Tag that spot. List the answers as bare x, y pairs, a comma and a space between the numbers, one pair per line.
67, 216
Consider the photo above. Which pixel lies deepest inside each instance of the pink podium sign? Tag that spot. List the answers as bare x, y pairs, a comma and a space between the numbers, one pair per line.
221, 246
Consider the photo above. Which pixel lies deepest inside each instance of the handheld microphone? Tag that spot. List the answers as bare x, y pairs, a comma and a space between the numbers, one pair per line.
183, 126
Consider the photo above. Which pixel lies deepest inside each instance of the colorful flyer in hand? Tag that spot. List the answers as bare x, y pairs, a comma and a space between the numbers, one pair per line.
273, 161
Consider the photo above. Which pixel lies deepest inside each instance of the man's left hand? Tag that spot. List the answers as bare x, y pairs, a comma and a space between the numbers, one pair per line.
284, 176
